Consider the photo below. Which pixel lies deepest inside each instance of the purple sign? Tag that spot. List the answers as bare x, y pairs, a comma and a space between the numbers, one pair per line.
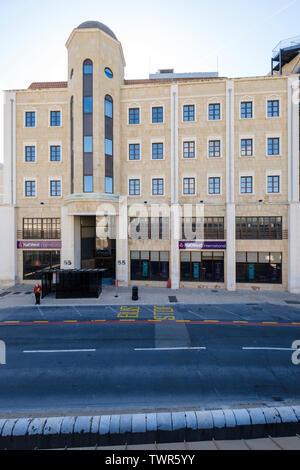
35, 245
210, 246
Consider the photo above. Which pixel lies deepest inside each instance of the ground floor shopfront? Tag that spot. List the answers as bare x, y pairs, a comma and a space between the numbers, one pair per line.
83, 237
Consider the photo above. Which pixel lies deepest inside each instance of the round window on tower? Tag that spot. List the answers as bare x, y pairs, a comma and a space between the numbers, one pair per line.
108, 72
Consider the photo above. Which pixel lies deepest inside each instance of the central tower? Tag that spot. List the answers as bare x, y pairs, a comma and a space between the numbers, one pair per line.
95, 74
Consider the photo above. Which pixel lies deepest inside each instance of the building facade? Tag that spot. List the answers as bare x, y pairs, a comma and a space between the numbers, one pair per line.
191, 178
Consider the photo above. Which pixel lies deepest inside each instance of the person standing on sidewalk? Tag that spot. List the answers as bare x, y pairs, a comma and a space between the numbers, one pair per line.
37, 292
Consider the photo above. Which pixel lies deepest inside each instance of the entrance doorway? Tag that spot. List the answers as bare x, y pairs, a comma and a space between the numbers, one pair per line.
98, 245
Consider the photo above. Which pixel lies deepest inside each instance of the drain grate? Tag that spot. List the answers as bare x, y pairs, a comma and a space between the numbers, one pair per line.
17, 293
28, 293
292, 302
173, 299
215, 291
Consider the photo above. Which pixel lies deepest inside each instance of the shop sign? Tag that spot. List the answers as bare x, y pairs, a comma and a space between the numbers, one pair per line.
39, 245
195, 245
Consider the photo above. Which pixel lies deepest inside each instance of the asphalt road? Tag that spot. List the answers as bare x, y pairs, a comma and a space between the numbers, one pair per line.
86, 360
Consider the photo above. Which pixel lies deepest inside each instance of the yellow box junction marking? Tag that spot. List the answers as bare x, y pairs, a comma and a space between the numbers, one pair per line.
129, 313
163, 313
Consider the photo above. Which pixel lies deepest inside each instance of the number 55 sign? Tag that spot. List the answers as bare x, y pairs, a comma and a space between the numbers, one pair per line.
2, 353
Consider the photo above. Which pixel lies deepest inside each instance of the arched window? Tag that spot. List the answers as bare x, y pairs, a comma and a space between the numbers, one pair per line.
108, 106
88, 180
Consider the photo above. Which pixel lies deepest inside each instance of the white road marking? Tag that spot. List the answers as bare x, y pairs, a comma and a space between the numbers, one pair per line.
169, 349
269, 349
59, 351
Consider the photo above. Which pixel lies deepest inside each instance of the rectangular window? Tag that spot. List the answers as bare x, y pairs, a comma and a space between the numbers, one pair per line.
88, 144
108, 185
214, 185
259, 228
87, 104
157, 114
150, 266
214, 148
39, 260
88, 184
214, 112
41, 229
188, 186
259, 268
203, 228
246, 185
55, 188
247, 147
158, 187
134, 152
157, 151
134, 116
30, 154
151, 228
189, 150
30, 188
30, 119
108, 109
273, 184
108, 147
55, 153
246, 110
134, 187
206, 266
273, 145
273, 108
189, 112
55, 118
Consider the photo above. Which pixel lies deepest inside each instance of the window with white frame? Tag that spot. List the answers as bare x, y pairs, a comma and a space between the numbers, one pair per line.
188, 186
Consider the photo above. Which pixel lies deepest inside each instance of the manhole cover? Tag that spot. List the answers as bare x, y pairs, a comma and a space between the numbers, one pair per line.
172, 299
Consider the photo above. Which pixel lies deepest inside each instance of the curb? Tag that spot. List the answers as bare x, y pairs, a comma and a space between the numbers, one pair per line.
148, 428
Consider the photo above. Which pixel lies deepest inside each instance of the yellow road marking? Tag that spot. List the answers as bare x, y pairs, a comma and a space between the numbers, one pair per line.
211, 321
99, 320
70, 321
40, 321
240, 322
11, 321
269, 323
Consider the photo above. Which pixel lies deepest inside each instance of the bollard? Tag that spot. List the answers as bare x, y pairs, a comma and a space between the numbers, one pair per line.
135, 293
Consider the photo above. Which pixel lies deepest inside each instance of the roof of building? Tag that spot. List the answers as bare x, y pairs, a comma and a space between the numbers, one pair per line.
97, 25
43, 85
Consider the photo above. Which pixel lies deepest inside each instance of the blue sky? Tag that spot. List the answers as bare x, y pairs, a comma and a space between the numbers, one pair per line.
187, 35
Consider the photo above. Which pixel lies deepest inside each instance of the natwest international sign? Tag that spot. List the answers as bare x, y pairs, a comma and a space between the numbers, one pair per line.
39, 245
196, 245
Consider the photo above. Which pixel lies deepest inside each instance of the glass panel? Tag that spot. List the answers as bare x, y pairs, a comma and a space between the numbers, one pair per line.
154, 255
164, 256
88, 144
185, 256
88, 184
275, 258
196, 256
241, 257
263, 257
135, 255
252, 257
145, 255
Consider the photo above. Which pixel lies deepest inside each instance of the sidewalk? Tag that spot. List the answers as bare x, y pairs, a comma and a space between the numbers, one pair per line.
22, 295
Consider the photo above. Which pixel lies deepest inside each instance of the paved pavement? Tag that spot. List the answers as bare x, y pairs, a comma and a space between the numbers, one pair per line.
276, 443
22, 295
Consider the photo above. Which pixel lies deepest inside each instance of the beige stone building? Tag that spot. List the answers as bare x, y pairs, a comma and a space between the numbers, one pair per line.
187, 178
